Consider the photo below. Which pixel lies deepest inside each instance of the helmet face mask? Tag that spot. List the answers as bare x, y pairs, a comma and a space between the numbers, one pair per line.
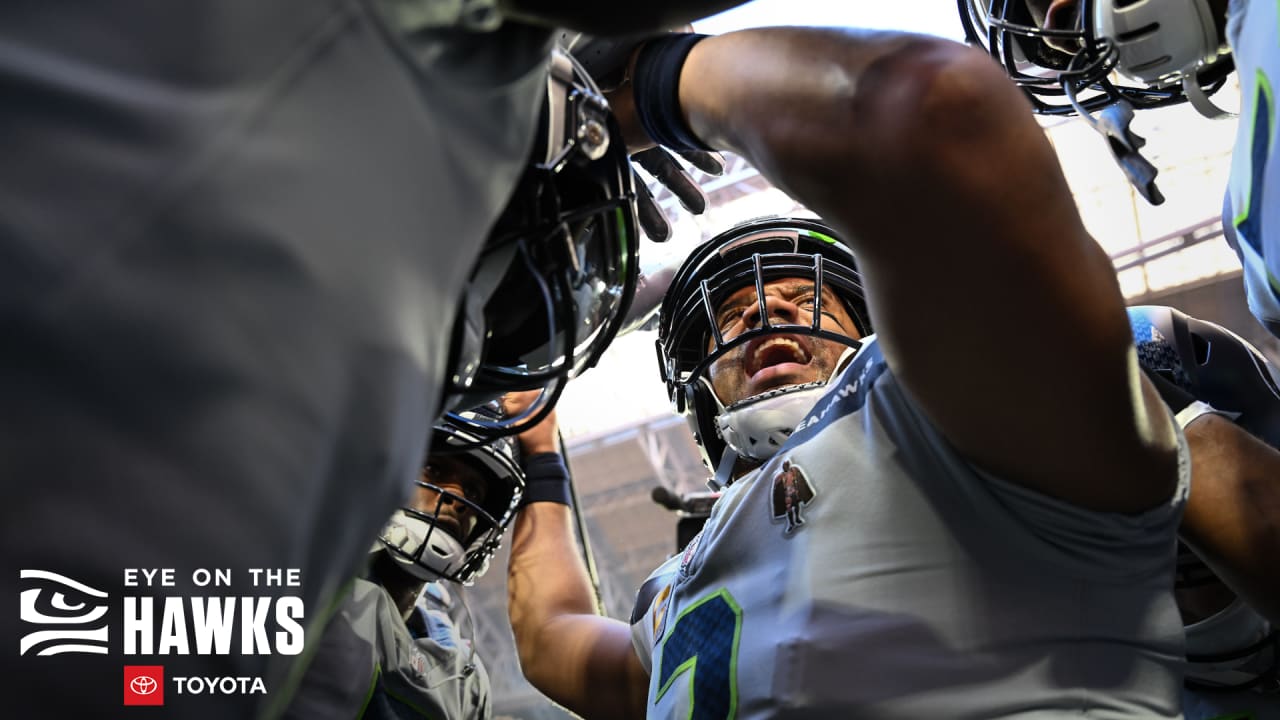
423, 543
1165, 49
690, 343
559, 271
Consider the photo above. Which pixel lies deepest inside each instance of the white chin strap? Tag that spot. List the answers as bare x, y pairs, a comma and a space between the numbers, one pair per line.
756, 427
1200, 100
440, 552
1234, 628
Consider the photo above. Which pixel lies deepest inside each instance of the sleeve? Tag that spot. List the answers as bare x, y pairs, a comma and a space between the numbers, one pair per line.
1105, 546
1100, 544
648, 617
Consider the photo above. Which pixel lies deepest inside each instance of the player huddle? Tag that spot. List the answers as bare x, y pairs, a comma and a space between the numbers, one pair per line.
958, 477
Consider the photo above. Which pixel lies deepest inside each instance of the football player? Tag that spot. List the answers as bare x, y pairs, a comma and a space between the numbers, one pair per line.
968, 513
402, 642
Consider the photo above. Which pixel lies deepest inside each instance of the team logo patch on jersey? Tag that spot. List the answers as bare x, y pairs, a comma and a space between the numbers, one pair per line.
660, 606
791, 493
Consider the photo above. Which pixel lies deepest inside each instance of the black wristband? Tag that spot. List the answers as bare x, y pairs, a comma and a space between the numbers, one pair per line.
546, 479
656, 87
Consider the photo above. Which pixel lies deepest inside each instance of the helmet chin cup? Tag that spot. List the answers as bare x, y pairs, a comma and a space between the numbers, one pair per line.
758, 426
422, 549
755, 428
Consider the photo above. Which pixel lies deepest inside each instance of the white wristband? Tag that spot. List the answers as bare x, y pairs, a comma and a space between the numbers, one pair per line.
1188, 414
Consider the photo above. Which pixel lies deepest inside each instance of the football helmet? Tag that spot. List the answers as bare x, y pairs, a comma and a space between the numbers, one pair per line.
423, 542
1168, 51
752, 253
1205, 361
1232, 649
559, 269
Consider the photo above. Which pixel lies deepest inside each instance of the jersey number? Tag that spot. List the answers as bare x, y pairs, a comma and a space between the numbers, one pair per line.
704, 642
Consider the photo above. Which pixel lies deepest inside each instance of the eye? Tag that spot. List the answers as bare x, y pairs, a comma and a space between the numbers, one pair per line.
475, 491
728, 317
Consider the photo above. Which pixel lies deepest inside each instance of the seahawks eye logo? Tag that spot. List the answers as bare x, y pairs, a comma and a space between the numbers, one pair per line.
71, 615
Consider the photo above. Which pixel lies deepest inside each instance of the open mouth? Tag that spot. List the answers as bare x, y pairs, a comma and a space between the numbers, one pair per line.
777, 353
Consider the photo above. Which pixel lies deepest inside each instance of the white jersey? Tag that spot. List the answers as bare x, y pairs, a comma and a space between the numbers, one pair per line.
868, 571
1252, 213
373, 665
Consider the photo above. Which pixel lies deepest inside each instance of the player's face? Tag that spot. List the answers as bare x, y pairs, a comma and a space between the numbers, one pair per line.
450, 473
777, 359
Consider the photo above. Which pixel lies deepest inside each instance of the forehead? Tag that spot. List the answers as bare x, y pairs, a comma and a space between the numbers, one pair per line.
452, 469
780, 286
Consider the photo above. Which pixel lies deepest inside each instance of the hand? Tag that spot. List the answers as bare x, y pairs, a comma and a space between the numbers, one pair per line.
659, 163
663, 167
541, 438
608, 61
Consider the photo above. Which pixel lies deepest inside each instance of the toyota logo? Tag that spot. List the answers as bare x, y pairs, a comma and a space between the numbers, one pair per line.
143, 685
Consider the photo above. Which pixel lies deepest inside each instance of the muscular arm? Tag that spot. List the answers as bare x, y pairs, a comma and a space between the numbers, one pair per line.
606, 18
1232, 518
579, 659
996, 309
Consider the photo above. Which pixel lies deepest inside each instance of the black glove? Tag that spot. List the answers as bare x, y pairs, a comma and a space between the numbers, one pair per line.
668, 171
605, 59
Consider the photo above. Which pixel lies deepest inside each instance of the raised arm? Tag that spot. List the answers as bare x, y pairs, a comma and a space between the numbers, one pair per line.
1232, 518
571, 654
994, 306
1227, 396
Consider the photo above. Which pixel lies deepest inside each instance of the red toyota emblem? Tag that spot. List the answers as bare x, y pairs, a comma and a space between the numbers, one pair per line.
143, 684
